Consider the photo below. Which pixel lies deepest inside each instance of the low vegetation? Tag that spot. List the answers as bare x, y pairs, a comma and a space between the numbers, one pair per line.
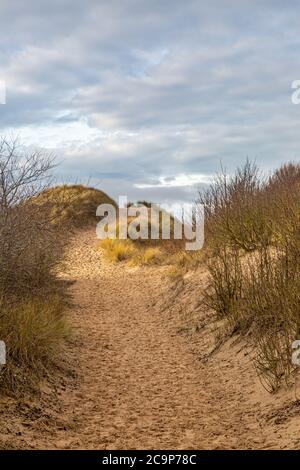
253, 255
148, 251
33, 329
252, 252
72, 205
35, 222
32, 323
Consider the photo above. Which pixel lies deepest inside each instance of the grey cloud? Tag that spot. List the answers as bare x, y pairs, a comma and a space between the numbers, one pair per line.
167, 88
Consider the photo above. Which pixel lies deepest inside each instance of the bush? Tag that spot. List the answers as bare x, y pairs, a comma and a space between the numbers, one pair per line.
271, 303
31, 304
30, 245
237, 210
225, 290
30, 248
258, 292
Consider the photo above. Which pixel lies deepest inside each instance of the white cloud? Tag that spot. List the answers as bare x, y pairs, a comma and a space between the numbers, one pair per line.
178, 181
132, 92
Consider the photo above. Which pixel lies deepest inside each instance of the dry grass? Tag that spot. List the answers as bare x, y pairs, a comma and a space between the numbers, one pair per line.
257, 292
187, 260
148, 251
161, 253
125, 250
34, 330
73, 205
117, 250
147, 257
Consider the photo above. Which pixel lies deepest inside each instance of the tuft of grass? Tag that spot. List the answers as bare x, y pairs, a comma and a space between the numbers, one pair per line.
187, 260
33, 330
175, 273
152, 256
147, 256
117, 250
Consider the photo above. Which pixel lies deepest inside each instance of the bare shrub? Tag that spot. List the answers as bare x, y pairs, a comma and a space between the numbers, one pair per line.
31, 245
257, 292
236, 212
226, 281
271, 303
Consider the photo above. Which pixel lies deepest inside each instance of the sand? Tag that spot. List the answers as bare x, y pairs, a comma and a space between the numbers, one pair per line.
144, 371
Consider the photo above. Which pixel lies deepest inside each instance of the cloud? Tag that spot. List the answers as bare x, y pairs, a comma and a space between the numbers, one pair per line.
178, 181
148, 97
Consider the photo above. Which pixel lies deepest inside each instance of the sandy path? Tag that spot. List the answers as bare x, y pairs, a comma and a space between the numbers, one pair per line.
142, 380
141, 385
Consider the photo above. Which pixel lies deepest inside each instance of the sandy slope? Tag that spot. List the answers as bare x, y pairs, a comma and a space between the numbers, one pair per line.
146, 371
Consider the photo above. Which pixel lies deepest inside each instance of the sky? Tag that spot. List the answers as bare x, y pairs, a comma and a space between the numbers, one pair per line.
147, 98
